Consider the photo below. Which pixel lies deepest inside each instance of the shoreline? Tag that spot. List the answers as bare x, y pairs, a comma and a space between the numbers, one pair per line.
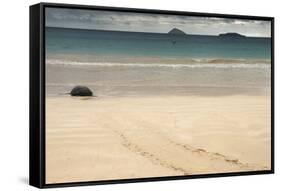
133, 91
76, 59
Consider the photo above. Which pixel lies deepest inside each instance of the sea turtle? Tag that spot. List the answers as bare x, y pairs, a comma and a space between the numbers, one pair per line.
81, 91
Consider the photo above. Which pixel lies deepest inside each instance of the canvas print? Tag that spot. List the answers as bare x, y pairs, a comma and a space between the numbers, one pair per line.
137, 95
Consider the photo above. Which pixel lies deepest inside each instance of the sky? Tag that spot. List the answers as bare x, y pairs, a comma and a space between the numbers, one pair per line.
156, 23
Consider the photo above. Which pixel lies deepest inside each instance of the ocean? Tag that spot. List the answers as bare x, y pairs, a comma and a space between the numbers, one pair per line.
115, 63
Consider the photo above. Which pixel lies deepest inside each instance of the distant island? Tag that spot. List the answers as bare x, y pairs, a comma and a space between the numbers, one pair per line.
176, 31
232, 35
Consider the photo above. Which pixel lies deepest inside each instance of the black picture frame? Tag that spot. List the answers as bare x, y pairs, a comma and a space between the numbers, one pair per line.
37, 95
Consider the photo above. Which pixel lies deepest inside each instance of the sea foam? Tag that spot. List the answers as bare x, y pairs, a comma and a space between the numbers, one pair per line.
199, 63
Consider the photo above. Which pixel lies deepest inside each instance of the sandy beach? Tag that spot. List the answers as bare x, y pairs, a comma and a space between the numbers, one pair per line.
100, 138
173, 95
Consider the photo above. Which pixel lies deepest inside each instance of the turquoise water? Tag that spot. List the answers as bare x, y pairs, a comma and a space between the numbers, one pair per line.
134, 64
88, 42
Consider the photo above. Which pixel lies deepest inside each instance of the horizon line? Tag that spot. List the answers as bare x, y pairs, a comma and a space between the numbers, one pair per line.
243, 36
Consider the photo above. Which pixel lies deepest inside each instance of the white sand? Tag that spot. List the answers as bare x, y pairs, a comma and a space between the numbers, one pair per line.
116, 138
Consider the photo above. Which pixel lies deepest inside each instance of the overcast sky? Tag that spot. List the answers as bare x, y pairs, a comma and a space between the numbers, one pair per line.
159, 23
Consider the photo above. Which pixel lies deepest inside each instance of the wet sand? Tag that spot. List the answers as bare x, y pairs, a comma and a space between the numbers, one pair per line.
134, 137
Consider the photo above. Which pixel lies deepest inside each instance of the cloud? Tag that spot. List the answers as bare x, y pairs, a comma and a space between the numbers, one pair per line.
125, 21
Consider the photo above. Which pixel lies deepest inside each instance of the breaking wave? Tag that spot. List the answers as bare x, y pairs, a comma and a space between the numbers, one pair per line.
198, 63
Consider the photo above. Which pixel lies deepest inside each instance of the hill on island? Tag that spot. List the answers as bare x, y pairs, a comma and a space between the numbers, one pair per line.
176, 31
232, 35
